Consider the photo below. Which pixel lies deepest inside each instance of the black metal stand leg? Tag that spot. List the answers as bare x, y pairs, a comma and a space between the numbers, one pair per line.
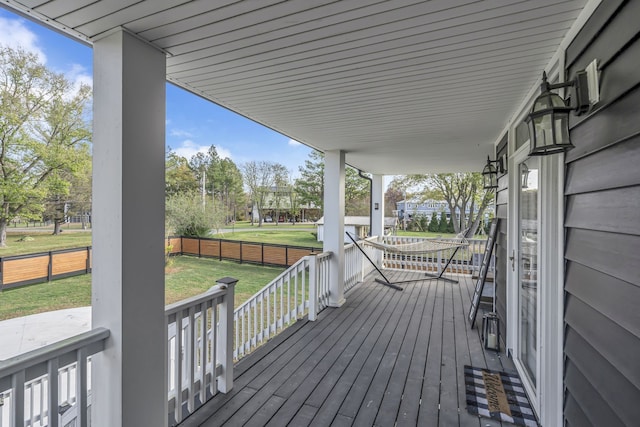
439, 276
386, 282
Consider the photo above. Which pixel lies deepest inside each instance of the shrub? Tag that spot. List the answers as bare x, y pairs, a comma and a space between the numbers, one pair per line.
186, 216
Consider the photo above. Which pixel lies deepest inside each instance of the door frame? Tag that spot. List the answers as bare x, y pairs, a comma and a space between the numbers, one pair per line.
534, 391
547, 399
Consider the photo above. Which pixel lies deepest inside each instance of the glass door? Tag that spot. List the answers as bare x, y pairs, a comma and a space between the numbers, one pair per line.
528, 271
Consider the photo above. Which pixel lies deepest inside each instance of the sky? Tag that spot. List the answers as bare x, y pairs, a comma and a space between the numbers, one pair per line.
193, 124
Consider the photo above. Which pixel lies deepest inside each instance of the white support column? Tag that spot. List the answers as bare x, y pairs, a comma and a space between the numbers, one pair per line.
377, 205
377, 212
129, 386
333, 239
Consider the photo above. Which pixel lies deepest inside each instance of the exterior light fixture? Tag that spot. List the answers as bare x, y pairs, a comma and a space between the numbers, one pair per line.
490, 173
524, 173
491, 331
549, 117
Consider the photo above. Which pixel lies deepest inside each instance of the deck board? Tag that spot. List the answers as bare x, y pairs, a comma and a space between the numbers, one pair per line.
319, 377
392, 398
385, 357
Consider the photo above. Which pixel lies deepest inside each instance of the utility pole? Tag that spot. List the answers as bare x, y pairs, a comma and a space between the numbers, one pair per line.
203, 178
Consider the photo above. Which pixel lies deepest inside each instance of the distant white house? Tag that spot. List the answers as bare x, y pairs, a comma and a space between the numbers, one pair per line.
357, 226
407, 209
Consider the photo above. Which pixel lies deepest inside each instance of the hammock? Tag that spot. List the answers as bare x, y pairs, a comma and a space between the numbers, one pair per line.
423, 247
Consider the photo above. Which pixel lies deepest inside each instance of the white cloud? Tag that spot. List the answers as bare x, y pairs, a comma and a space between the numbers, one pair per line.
14, 34
190, 149
293, 143
223, 152
180, 133
79, 75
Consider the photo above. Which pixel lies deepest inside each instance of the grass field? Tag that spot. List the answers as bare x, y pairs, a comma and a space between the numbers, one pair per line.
41, 241
281, 236
186, 276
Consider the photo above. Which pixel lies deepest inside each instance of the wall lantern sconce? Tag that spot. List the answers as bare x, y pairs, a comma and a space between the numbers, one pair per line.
524, 174
490, 173
491, 331
549, 118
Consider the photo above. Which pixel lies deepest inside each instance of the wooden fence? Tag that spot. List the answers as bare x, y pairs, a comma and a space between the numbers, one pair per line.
234, 250
19, 270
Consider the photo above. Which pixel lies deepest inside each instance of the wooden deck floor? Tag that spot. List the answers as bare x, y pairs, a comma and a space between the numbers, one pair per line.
384, 358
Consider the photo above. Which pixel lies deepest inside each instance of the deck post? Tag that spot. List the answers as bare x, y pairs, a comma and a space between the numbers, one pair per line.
129, 377
334, 236
225, 335
377, 214
313, 287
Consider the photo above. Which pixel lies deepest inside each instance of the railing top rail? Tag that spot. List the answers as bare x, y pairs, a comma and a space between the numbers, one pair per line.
324, 255
93, 340
214, 292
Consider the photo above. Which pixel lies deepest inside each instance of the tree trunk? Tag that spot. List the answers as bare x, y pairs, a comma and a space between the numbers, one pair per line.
57, 227
3, 233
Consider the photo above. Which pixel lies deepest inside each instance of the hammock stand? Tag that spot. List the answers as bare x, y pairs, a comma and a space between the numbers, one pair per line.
394, 285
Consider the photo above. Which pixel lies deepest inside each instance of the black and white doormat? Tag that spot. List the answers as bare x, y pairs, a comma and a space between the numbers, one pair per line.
498, 395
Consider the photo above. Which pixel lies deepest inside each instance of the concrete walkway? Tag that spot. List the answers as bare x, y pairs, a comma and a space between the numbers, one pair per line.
27, 333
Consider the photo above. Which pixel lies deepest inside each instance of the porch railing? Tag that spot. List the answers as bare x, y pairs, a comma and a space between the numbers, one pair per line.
356, 264
272, 308
50, 386
200, 332
204, 337
467, 260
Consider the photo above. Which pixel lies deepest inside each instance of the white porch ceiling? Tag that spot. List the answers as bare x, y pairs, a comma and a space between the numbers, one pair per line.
403, 86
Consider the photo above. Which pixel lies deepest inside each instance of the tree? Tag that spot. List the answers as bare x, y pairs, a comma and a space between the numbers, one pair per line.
220, 179
357, 194
463, 192
443, 225
294, 200
80, 199
259, 178
392, 196
227, 188
433, 224
43, 130
310, 186
179, 177
68, 190
280, 188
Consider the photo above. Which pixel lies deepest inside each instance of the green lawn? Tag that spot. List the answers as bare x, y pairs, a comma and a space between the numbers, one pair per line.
41, 241
281, 236
186, 276
56, 295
